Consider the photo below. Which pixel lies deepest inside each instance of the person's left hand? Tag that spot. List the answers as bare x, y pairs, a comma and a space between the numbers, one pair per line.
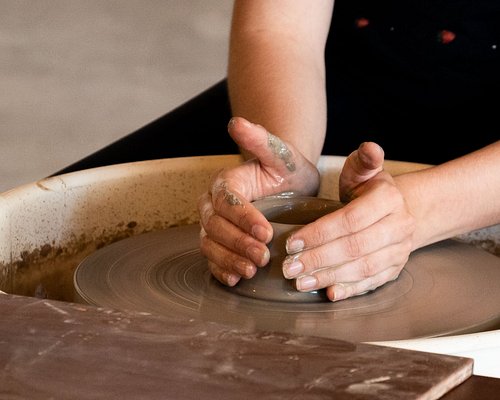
360, 246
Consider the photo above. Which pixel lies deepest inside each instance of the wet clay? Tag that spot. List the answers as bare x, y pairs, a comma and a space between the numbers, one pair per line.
286, 214
280, 150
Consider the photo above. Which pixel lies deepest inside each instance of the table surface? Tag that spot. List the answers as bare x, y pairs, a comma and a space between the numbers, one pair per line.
51, 349
475, 387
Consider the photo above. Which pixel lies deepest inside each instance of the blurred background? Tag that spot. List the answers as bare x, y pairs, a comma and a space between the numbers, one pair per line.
75, 75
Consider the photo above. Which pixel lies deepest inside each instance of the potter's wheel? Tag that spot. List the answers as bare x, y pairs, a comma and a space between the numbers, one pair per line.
445, 289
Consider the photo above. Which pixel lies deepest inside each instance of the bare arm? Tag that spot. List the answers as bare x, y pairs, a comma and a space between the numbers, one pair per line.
276, 71
455, 197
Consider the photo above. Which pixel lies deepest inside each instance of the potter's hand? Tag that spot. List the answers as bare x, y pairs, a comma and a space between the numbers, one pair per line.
361, 246
234, 233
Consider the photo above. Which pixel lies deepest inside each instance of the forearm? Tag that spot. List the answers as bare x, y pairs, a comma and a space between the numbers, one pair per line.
456, 197
276, 74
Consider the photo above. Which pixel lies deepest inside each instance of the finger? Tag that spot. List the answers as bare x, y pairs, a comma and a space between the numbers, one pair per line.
393, 229
205, 208
225, 265
360, 166
232, 206
230, 236
227, 234
270, 150
222, 275
276, 165
356, 270
343, 291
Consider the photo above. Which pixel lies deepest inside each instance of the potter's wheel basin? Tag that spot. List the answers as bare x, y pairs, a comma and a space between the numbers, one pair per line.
47, 228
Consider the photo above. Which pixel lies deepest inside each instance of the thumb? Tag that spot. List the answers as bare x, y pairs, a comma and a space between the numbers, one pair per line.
360, 166
255, 140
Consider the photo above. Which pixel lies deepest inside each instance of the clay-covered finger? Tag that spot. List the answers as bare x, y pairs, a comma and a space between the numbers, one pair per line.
229, 235
232, 206
269, 149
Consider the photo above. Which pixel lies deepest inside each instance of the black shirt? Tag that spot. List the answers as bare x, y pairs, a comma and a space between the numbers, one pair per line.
408, 74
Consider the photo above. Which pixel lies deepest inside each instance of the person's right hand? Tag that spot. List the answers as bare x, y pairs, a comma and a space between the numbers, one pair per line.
234, 233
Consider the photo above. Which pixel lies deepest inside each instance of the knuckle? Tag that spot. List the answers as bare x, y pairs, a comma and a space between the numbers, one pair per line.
317, 235
326, 278
313, 260
409, 225
368, 267
228, 262
204, 245
349, 220
353, 246
240, 242
210, 223
242, 218
406, 247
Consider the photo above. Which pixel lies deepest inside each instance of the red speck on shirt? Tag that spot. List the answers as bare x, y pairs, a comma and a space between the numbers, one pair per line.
446, 36
362, 22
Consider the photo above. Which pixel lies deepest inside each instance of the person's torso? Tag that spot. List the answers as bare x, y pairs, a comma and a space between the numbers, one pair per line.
437, 49
414, 71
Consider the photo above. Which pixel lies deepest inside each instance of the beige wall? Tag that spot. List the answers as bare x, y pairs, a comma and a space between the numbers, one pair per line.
76, 75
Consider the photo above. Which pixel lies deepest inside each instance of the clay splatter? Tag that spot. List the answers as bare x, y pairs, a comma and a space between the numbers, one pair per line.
281, 150
53, 307
231, 198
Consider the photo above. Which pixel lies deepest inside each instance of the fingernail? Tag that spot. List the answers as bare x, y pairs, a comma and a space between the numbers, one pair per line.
244, 269
292, 267
266, 257
231, 122
230, 279
294, 246
306, 283
258, 256
261, 233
